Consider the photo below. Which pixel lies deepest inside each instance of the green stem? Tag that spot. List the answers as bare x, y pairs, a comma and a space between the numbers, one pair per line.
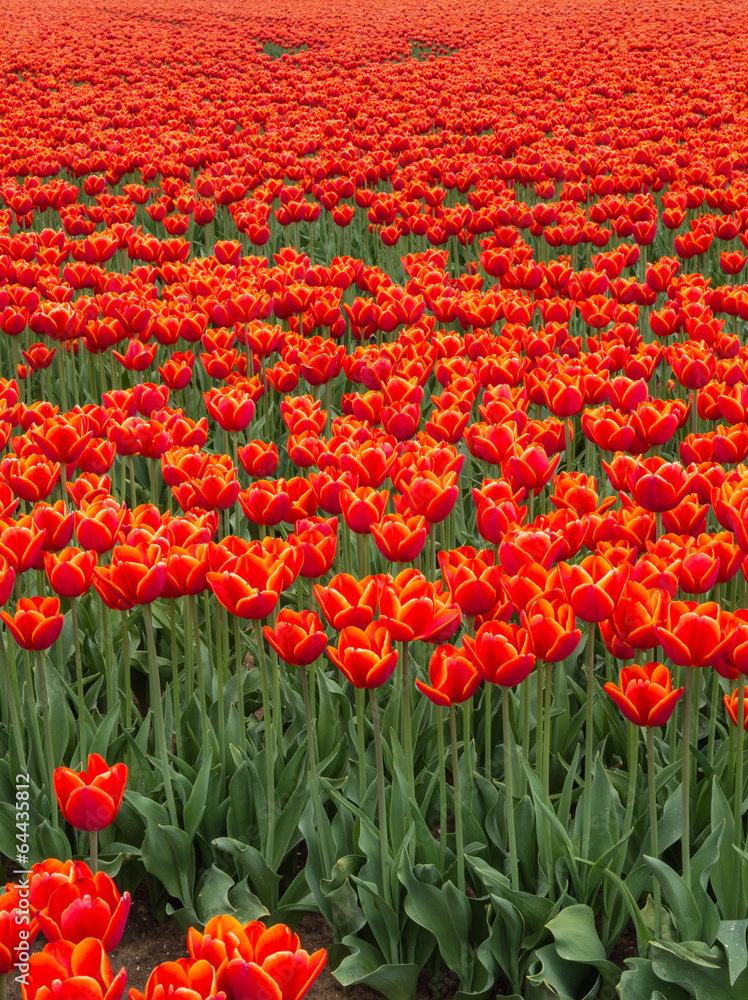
10, 680
35, 733
508, 792
240, 682
381, 810
442, 787
589, 741
267, 716
158, 714
407, 732
713, 715
111, 689
547, 730
94, 851
204, 722
326, 860
360, 732
458, 802
686, 779
175, 675
633, 765
653, 843
740, 741
128, 682
189, 664
82, 731
42, 681
488, 747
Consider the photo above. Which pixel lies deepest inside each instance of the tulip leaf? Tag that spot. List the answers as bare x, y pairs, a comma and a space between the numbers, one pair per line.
639, 982
195, 806
732, 935
366, 966
685, 910
556, 977
725, 885
52, 843
702, 971
577, 940
103, 736
168, 856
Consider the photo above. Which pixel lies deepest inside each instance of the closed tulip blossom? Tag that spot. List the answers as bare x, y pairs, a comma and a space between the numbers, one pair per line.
501, 653
453, 678
70, 572
317, 538
413, 608
594, 587
36, 623
90, 799
551, 625
472, 578
732, 704
645, 694
657, 485
184, 979
400, 538
88, 907
694, 635
63, 971
347, 602
365, 656
298, 637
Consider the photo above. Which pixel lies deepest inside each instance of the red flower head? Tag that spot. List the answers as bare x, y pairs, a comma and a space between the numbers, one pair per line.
430, 495
298, 637
413, 608
266, 502
400, 538
252, 588
98, 523
137, 572
275, 967
694, 635
472, 578
453, 677
67, 971
645, 694
640, 610
185, 979
551, 626
88, 907
70, 573
365, 657
346, 602
657, 485
259, 459
18, 928
37, 622
317, 537
90, 800
594, 587
363, 507
501, 653
530, 467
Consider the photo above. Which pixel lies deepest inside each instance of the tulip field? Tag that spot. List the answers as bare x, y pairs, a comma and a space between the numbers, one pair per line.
374, 498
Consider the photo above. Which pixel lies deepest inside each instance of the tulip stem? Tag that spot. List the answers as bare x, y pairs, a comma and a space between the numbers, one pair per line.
488, 747
633, 765
713, 713
42, 680
326, 860
131, 467
458, 801
35, 734
442, 787
686, 779
267, 717
740, 740
589, 741
407, 732
547, 731
111, 687
128, 684
192, 612
361, 734
158, 714
508, 791
82, 734
175, 675
94, 851
382, 813
240, 682
10, 679
223, 670
653, 844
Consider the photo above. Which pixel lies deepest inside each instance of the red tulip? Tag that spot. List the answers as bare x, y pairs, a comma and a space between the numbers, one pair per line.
453, 677
88, 907
90, 799
298, 637
645, 694
365, 657
67, 971
70, 572
37, 622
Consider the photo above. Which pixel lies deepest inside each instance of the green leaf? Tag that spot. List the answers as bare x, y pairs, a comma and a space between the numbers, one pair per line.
168, 855
577, 940
703, 973
52, 843
365, 966
685, 910
732, 934
195, 806
553, 976
639, 982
